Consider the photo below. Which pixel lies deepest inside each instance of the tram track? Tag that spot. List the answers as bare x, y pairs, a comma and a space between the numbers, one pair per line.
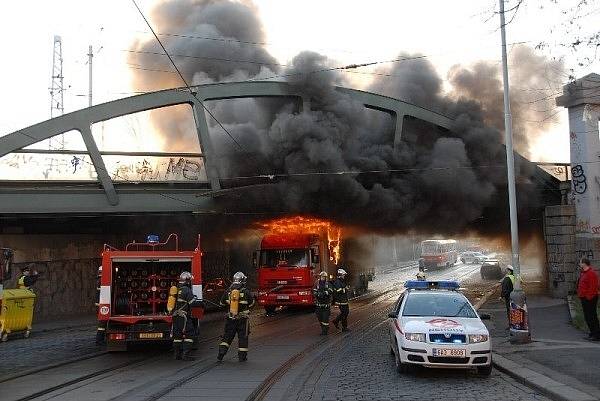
262, 390
190, 372
105, 372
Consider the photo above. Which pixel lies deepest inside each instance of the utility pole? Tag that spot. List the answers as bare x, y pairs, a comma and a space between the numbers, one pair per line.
57, 89
90, 56
519, 321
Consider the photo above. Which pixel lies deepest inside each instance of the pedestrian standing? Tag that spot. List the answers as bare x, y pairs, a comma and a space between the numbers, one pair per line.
322, 293
341, 298
587, 291
240, 300
508, 283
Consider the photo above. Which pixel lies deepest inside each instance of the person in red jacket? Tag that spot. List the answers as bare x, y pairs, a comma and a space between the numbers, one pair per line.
587, 291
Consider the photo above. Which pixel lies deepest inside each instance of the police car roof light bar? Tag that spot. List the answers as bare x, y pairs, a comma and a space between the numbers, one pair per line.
428, 285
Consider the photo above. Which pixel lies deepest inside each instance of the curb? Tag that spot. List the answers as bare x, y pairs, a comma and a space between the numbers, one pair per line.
544, 384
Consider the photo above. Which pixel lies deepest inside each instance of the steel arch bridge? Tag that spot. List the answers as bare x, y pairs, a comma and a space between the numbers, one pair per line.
107, 195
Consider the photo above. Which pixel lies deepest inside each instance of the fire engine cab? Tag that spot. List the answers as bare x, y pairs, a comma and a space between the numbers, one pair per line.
134, 289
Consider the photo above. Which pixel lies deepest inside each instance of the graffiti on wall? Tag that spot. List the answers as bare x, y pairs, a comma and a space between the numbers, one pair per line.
579, 179
159, 169
583, 226
26, 166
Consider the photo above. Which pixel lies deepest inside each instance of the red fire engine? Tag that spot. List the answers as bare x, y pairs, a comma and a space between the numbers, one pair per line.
134, 289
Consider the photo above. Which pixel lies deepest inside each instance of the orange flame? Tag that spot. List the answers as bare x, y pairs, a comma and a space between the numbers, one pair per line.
307, 225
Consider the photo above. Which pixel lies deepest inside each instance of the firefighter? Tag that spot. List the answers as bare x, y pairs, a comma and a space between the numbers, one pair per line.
340, 298
183, 329
322, 293
240, 300
28, 277
421, 276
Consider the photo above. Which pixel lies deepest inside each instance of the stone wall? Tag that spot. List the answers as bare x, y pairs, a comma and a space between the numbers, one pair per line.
561, 249
68, 263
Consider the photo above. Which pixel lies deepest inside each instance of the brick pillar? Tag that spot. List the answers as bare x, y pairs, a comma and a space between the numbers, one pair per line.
559, 227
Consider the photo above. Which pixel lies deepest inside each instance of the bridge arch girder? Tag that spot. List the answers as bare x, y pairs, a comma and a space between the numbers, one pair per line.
82, 120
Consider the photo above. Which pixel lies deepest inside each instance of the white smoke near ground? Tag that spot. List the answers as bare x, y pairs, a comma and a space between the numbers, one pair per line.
338, 160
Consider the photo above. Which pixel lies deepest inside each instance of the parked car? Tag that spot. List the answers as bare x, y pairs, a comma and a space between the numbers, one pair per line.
472, 257
491, 270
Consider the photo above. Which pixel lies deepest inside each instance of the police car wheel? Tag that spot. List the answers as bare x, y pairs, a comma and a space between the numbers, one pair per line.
484, 371
401, 368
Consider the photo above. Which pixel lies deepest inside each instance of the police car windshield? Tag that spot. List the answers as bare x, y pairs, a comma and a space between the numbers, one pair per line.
431, 303
284, 258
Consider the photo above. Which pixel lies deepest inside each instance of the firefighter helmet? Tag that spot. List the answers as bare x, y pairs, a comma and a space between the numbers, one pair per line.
341, 272
323, 274
185, 277
421, 276
239, 278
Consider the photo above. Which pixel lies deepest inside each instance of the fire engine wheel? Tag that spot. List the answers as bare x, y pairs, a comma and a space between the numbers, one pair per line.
4, 337
270, 309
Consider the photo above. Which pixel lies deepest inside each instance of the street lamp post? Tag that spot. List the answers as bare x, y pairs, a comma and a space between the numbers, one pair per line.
518, 319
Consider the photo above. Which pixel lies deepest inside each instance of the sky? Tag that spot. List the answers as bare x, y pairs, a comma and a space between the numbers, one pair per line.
350, 31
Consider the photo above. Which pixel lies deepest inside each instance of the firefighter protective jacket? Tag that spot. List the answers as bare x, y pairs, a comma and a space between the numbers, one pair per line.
185, 300
323, 292
246, 299
340, 292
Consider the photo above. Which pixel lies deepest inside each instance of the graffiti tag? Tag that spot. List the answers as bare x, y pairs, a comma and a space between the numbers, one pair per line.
583, 226
589, 253
579, 179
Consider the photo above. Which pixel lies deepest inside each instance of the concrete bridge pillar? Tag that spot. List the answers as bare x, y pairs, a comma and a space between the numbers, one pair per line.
582, 99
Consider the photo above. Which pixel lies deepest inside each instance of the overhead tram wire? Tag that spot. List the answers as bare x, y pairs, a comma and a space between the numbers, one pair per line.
190, 89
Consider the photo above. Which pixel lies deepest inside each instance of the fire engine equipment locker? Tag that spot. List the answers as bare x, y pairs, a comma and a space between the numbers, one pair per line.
17, 312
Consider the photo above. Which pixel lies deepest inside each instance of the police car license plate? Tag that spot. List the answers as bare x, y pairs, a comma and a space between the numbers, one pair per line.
449, 352
283, 297
151, 335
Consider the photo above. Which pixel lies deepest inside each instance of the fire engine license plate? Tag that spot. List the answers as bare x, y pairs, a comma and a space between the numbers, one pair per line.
151, 335
453, 353
283, 297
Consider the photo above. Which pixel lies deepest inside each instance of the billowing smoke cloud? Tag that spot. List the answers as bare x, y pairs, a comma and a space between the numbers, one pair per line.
337, 159
220, 43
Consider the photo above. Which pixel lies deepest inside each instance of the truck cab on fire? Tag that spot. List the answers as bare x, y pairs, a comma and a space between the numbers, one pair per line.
288, 265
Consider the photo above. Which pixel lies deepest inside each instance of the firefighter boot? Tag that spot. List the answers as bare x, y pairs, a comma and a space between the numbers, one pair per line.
222, 351
100, 337
242, 356
187, 349
324, 329
177, 349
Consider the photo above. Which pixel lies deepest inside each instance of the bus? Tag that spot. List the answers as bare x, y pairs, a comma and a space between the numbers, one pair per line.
436, 253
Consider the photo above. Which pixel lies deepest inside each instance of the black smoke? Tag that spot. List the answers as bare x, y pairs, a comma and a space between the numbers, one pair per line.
337, 160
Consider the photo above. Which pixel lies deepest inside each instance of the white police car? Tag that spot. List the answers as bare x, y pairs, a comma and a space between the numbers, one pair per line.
434, 325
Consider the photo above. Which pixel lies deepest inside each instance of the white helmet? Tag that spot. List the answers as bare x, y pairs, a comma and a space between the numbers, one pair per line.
185, 276
239, 278
323, 274
420, 276
341, 272
509, 267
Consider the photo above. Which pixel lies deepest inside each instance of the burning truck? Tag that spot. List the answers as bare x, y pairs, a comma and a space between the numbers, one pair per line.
292, 253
